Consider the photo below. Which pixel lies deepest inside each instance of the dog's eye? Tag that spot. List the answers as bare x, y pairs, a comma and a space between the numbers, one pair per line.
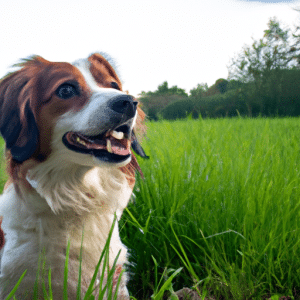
114, 85
66, 91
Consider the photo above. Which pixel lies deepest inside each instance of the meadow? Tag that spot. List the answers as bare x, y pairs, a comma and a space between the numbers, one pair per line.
221, 200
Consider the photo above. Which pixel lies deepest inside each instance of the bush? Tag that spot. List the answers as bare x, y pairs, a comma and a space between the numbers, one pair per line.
179, 109
229, 104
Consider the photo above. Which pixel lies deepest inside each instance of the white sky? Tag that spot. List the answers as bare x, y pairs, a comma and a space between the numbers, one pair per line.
185, 42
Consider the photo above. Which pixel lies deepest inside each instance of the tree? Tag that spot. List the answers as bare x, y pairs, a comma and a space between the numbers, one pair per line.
259, 67
199, 91
269, 53
221, 85
234, 85
164, 89
154, 102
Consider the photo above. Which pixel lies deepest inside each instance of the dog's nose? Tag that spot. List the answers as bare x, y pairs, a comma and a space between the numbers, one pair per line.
123, 104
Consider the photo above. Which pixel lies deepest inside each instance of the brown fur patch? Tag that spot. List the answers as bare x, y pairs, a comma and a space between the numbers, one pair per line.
129, 169
140, 127
35, 85
17, 172
103, 72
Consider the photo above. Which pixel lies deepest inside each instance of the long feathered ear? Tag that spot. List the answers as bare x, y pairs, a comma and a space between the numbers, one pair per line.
137, 147
17, 122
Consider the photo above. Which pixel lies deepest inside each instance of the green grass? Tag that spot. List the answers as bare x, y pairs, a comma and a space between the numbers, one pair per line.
221, 199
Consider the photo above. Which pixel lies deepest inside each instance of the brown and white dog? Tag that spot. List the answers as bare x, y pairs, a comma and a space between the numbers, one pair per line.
69, 130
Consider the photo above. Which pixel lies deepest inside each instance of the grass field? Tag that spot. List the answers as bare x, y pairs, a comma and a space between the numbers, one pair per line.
220, 198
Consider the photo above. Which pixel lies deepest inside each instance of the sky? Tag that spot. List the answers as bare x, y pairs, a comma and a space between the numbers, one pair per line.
184, 42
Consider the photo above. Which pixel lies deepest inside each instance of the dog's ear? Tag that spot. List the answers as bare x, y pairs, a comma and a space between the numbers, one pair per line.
137, 147
101, 64
17, 122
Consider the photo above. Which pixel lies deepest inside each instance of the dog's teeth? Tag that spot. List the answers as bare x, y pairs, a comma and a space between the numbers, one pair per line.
108, 146
80, 141
117, 134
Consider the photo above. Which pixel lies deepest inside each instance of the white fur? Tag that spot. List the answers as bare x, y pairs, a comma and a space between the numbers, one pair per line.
71, 192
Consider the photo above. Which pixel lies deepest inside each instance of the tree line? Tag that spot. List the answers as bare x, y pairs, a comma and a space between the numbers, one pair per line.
264, 80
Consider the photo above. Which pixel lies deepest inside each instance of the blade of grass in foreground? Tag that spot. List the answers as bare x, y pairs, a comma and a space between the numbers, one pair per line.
65, 292
50, 285
165, 286
79, 271
11, 294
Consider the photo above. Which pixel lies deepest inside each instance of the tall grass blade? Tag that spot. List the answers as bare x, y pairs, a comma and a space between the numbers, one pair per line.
165, 286
103, 255
11, 294
78, 296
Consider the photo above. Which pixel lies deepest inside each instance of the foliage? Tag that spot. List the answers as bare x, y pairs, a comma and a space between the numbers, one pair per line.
154, 102
222, 85
213, 90
264, 67
263, 81
234, 84
199, 91
164, 89
290, 93
228, 104
179, 110
152, 105
272, 52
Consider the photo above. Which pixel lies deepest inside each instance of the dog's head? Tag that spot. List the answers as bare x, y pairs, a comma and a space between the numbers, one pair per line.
78, 110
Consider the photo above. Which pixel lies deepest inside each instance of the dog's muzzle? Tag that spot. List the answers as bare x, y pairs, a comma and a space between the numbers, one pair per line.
113, 143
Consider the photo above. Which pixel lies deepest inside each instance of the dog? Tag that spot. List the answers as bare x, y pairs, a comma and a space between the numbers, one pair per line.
69, 130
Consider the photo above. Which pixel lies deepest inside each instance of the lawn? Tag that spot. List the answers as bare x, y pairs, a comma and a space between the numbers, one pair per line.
220, 198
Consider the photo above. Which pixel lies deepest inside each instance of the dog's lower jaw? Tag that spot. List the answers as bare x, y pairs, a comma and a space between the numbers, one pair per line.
36, 229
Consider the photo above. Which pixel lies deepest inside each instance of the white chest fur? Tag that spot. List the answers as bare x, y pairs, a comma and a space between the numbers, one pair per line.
55, 212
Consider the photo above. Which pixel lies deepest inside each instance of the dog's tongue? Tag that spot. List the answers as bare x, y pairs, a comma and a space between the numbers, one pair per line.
120, 147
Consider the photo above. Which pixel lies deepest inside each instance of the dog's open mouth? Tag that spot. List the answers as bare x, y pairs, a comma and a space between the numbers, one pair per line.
112, 146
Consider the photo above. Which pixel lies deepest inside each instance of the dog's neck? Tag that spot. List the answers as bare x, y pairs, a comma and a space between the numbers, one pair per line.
75, 188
